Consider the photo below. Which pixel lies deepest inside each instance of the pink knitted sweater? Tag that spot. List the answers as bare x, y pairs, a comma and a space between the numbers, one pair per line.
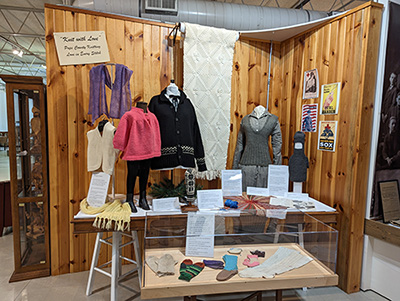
138, 135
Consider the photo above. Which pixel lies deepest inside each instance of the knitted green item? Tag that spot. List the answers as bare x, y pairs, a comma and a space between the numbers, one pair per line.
191, 271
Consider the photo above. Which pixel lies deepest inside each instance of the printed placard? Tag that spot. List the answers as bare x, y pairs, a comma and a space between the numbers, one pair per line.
166, 204
330, 97
231, 182
311, 84
309, 118
276, 213
81, 47
210, 199
327, 135
257, 191
98, 189
200, 231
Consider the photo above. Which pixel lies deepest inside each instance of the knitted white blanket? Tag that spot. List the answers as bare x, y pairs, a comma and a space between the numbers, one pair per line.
208, 60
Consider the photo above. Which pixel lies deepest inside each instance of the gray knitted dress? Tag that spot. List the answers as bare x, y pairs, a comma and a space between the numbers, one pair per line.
252, 150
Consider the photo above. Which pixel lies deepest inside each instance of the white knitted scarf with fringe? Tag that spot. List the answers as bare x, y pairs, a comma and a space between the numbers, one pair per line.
208, 60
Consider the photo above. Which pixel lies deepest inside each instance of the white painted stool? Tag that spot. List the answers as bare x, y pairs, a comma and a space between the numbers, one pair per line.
116, 262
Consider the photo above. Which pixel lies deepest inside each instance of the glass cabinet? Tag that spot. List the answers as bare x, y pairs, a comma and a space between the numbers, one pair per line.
292, 252
28, 175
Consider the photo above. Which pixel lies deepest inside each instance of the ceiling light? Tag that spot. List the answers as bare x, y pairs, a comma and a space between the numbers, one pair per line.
15, 51
44, 66
20, 53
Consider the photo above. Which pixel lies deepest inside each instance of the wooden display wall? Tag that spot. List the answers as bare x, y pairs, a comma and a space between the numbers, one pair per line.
343, 50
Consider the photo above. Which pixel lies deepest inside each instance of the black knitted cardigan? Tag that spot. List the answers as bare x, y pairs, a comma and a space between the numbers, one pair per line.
180, 134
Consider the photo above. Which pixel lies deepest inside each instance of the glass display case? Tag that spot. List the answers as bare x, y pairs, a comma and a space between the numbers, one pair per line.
200, 236
28, 174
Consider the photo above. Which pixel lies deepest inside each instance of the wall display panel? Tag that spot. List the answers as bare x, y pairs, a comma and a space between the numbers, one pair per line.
387, 158
343, 50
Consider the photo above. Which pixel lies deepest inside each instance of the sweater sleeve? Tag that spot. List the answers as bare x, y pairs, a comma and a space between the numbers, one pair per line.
151, 105
198, 147
276, 142
239, 148
121, 136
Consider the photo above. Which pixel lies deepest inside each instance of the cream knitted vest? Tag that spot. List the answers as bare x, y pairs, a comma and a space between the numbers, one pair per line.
101, 153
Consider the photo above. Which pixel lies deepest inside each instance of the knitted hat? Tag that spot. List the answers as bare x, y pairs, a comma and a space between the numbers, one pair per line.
299, 137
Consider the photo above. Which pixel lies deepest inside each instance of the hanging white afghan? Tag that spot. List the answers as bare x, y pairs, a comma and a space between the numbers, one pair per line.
208, 60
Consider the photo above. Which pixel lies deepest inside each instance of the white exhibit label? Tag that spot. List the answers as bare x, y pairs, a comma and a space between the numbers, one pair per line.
278, 179
231, 182
258, 191
276, 213
98, 189
200, 235
298, 196
166, 204
81, 47
281, 202
210, 199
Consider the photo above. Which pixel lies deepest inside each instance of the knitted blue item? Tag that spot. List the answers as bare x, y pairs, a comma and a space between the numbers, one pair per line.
230, 262
230, 203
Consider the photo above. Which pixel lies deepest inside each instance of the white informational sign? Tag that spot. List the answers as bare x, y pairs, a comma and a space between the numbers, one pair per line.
81, 47
210, 199
200, 234
298, 196
98, 189
231, 182
278, 180
166, 204
276, 213
258, 191
282, 202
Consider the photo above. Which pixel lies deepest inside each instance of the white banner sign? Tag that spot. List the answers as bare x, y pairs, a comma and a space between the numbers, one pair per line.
81, 47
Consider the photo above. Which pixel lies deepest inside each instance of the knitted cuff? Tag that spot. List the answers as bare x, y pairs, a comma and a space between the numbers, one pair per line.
201, 164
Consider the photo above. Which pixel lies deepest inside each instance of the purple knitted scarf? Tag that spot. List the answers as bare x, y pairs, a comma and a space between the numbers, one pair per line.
120, 91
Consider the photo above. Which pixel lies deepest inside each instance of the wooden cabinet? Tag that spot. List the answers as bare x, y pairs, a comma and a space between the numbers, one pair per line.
28, 175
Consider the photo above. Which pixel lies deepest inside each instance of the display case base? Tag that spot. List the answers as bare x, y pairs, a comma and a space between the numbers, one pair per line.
20, 276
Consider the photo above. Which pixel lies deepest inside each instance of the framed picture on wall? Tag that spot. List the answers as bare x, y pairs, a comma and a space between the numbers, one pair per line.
389, 194
311, 84
330, 96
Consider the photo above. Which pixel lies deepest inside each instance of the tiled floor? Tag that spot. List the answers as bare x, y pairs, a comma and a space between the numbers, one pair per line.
72, 287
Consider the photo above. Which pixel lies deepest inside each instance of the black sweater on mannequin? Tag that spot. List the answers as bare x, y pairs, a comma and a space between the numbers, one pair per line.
181, 140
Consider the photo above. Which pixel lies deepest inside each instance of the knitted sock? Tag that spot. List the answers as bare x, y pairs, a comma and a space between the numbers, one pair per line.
230, 262
230, 268
191, 271
258, 253
251, 261
214, 264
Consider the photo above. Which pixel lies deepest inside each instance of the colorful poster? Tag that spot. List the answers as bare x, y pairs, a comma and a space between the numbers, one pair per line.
311, 84
330, 98
309, 118
327, 135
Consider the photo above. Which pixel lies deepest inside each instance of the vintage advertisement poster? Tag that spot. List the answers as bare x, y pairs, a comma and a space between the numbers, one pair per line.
309, 118
330, 95
311, 84
327, 135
